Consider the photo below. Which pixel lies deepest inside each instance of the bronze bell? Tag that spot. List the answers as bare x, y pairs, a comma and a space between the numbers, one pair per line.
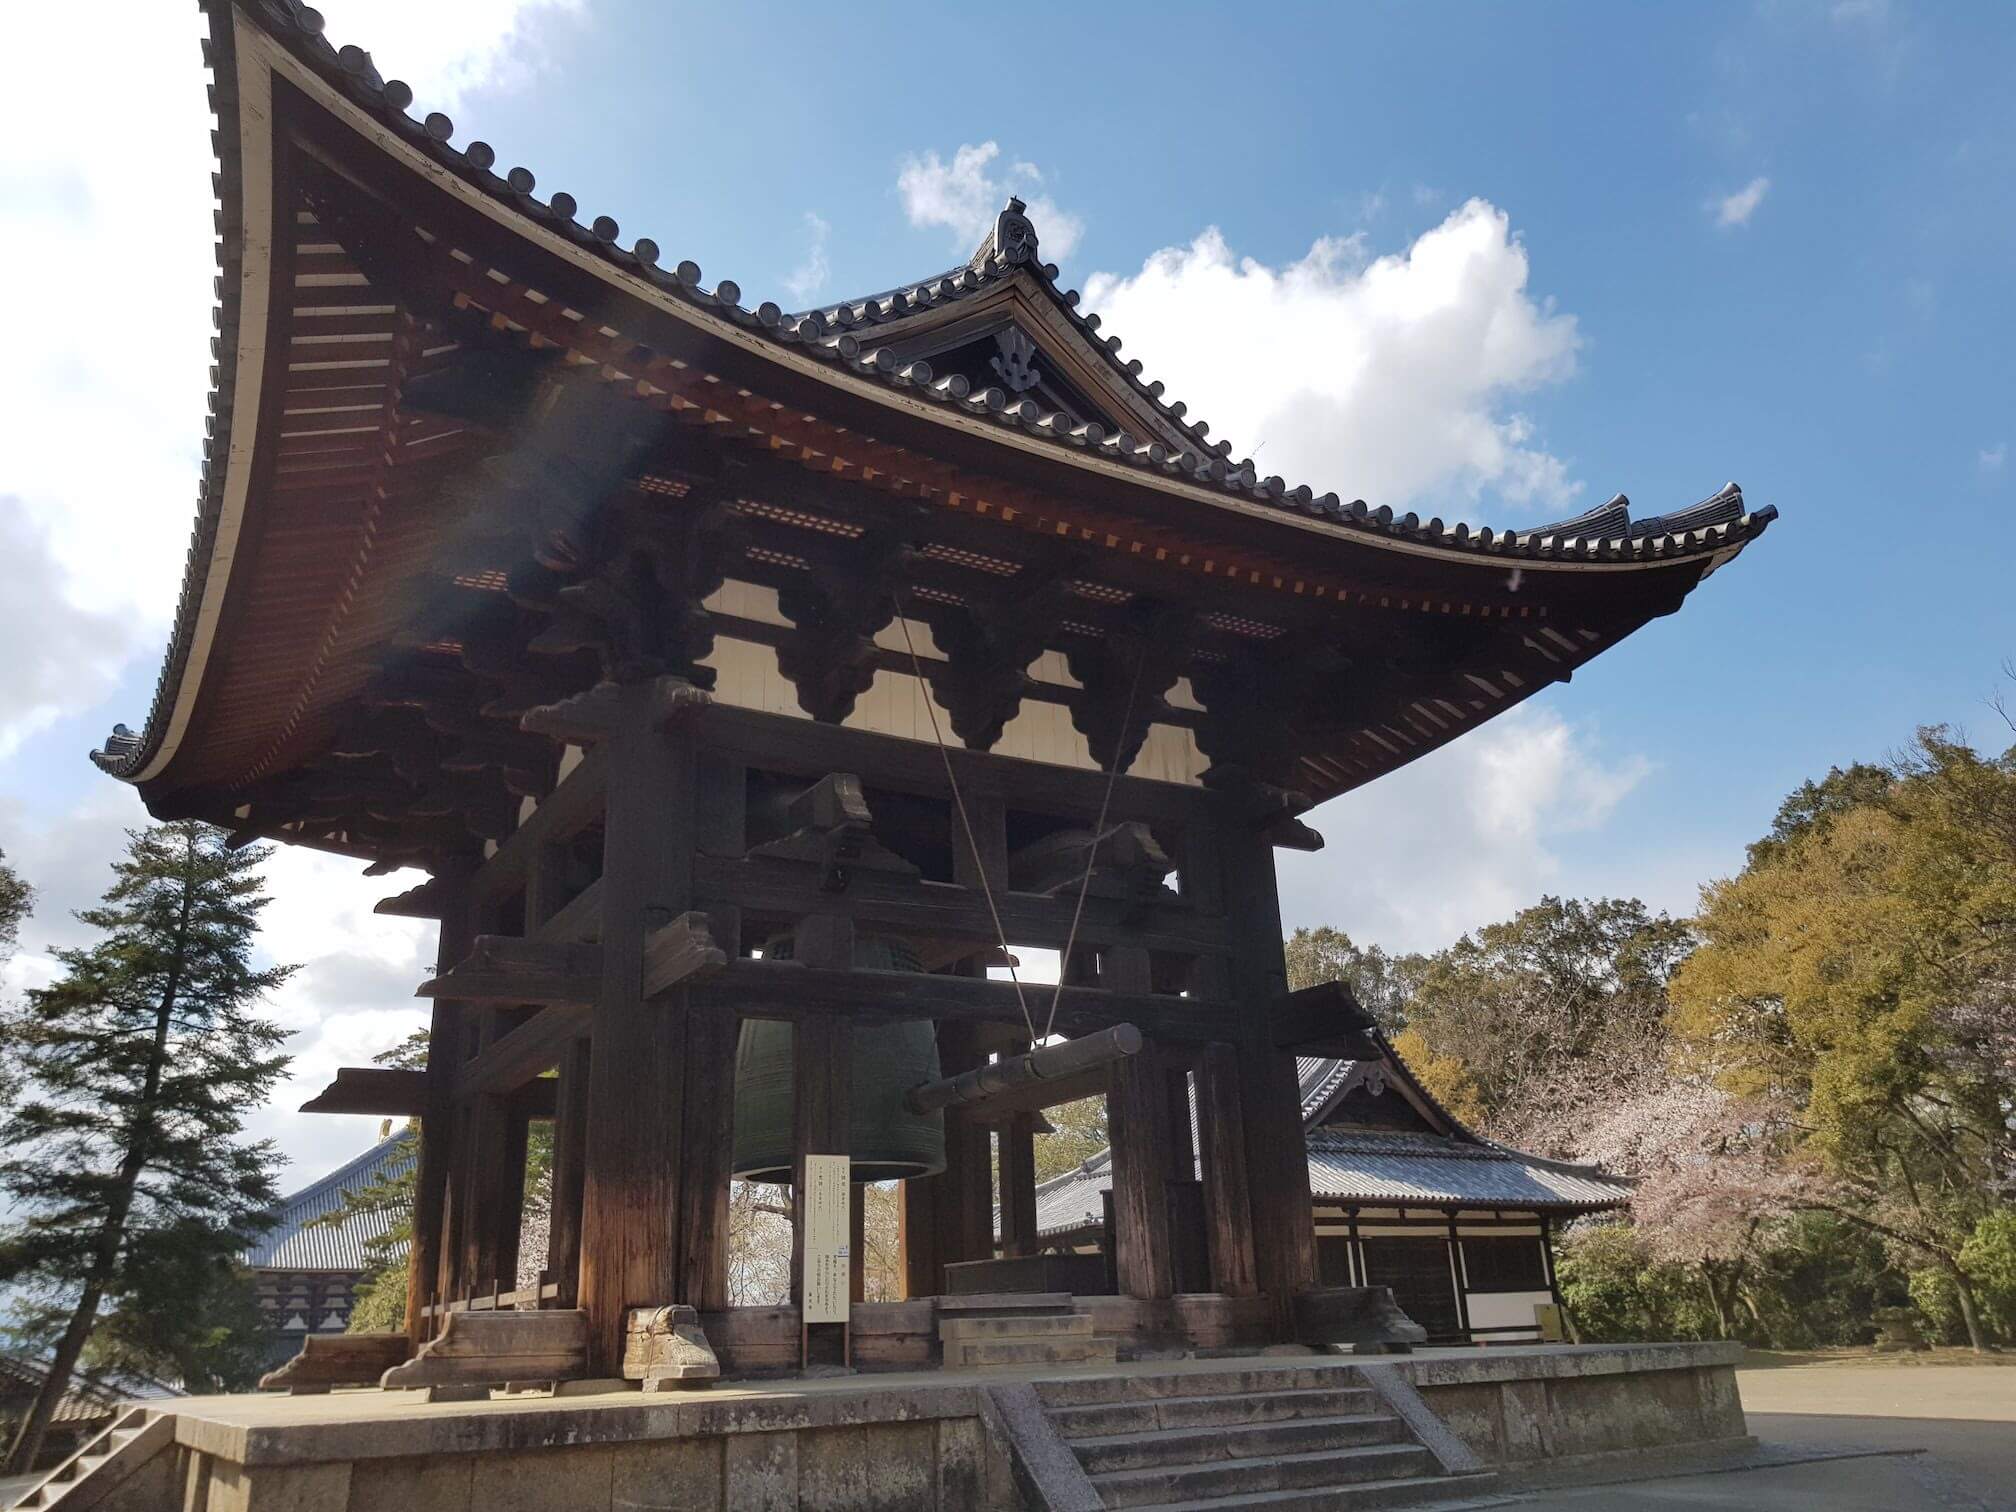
886, 1141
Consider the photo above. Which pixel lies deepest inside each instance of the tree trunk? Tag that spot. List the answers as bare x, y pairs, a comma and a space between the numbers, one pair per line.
1722, 1294
112, 1233
1963, 1289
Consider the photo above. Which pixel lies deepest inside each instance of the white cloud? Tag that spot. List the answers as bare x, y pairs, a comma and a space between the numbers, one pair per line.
964, 195
448, 49
1462, 837
1389, 379
1991, 458
60, 654
1736, 209
351, 999
810, 276
111, 206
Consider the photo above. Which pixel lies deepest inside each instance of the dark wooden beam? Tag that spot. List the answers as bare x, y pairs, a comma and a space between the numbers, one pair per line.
787, 990
778, 743
571, 807
1324, 1020
372, 1089
505, 969
887, 903
682, 953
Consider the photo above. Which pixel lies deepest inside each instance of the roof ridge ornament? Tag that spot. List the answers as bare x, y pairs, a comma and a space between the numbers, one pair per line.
1016, 363
1013, 239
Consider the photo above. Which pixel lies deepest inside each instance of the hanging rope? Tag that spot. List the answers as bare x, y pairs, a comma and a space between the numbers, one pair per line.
1098, 839
966, 820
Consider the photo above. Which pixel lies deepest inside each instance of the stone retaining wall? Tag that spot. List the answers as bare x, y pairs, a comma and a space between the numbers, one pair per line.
1514, 1406
922, 1449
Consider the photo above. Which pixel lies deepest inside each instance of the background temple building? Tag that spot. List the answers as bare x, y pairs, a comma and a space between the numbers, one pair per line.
741, 686
306, 1271
1405, 1197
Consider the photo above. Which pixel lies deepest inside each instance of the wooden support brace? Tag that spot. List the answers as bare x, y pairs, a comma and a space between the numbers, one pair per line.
681, 953
493, 1348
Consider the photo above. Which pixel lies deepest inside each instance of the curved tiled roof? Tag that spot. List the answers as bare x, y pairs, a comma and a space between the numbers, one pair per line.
1378, 1165
841, 334
297, 1242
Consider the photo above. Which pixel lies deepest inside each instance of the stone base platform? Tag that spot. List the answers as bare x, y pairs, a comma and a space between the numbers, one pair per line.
912, 1440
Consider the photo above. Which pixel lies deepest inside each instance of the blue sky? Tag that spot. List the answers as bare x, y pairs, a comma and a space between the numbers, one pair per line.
1490, 262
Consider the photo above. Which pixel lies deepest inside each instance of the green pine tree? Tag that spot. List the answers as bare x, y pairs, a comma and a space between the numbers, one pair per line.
16, 899
124, 1164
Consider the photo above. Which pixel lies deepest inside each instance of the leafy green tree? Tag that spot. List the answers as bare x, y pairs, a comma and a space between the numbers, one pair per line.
1862, 968
1382, 983
188, 1314
16, 899
1078, 1133
1565, 989
140, 1065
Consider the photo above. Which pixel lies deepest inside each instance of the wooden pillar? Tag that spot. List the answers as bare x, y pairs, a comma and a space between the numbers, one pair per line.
822, 1074
1018, 1185
964, 1209
1228, 1208
917, 1230
857, 1242
437, 1123
493, 1194
821, 1077
711, 1035
630, 1205
570, 1151
1277, 1154
1137, 1116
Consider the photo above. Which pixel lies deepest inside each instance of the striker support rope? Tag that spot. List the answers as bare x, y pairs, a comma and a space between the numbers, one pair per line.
965, 820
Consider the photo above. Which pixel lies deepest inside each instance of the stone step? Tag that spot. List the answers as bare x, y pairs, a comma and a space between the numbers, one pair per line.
1382, 1466
1202, 1411
1136, 1388
984, 1304
1427, 1493
1076, 1349
1192, 1446
1029, 1326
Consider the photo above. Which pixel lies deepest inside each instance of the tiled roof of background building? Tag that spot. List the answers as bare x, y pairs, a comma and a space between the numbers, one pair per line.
297, 1242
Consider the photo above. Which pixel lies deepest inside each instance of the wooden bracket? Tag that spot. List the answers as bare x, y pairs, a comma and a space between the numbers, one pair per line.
681, 953
424, 900
505, 969
1127, 866
1271, 811
833, 832
609, 708
1324, 1020
372, 1089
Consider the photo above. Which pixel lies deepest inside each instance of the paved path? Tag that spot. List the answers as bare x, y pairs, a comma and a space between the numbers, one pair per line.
1959, 1416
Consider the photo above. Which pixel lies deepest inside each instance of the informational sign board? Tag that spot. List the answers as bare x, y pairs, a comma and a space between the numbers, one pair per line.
827, 1288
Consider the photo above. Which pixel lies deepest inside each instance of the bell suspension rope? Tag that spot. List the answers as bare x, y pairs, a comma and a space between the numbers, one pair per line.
965, 819
1098, 839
